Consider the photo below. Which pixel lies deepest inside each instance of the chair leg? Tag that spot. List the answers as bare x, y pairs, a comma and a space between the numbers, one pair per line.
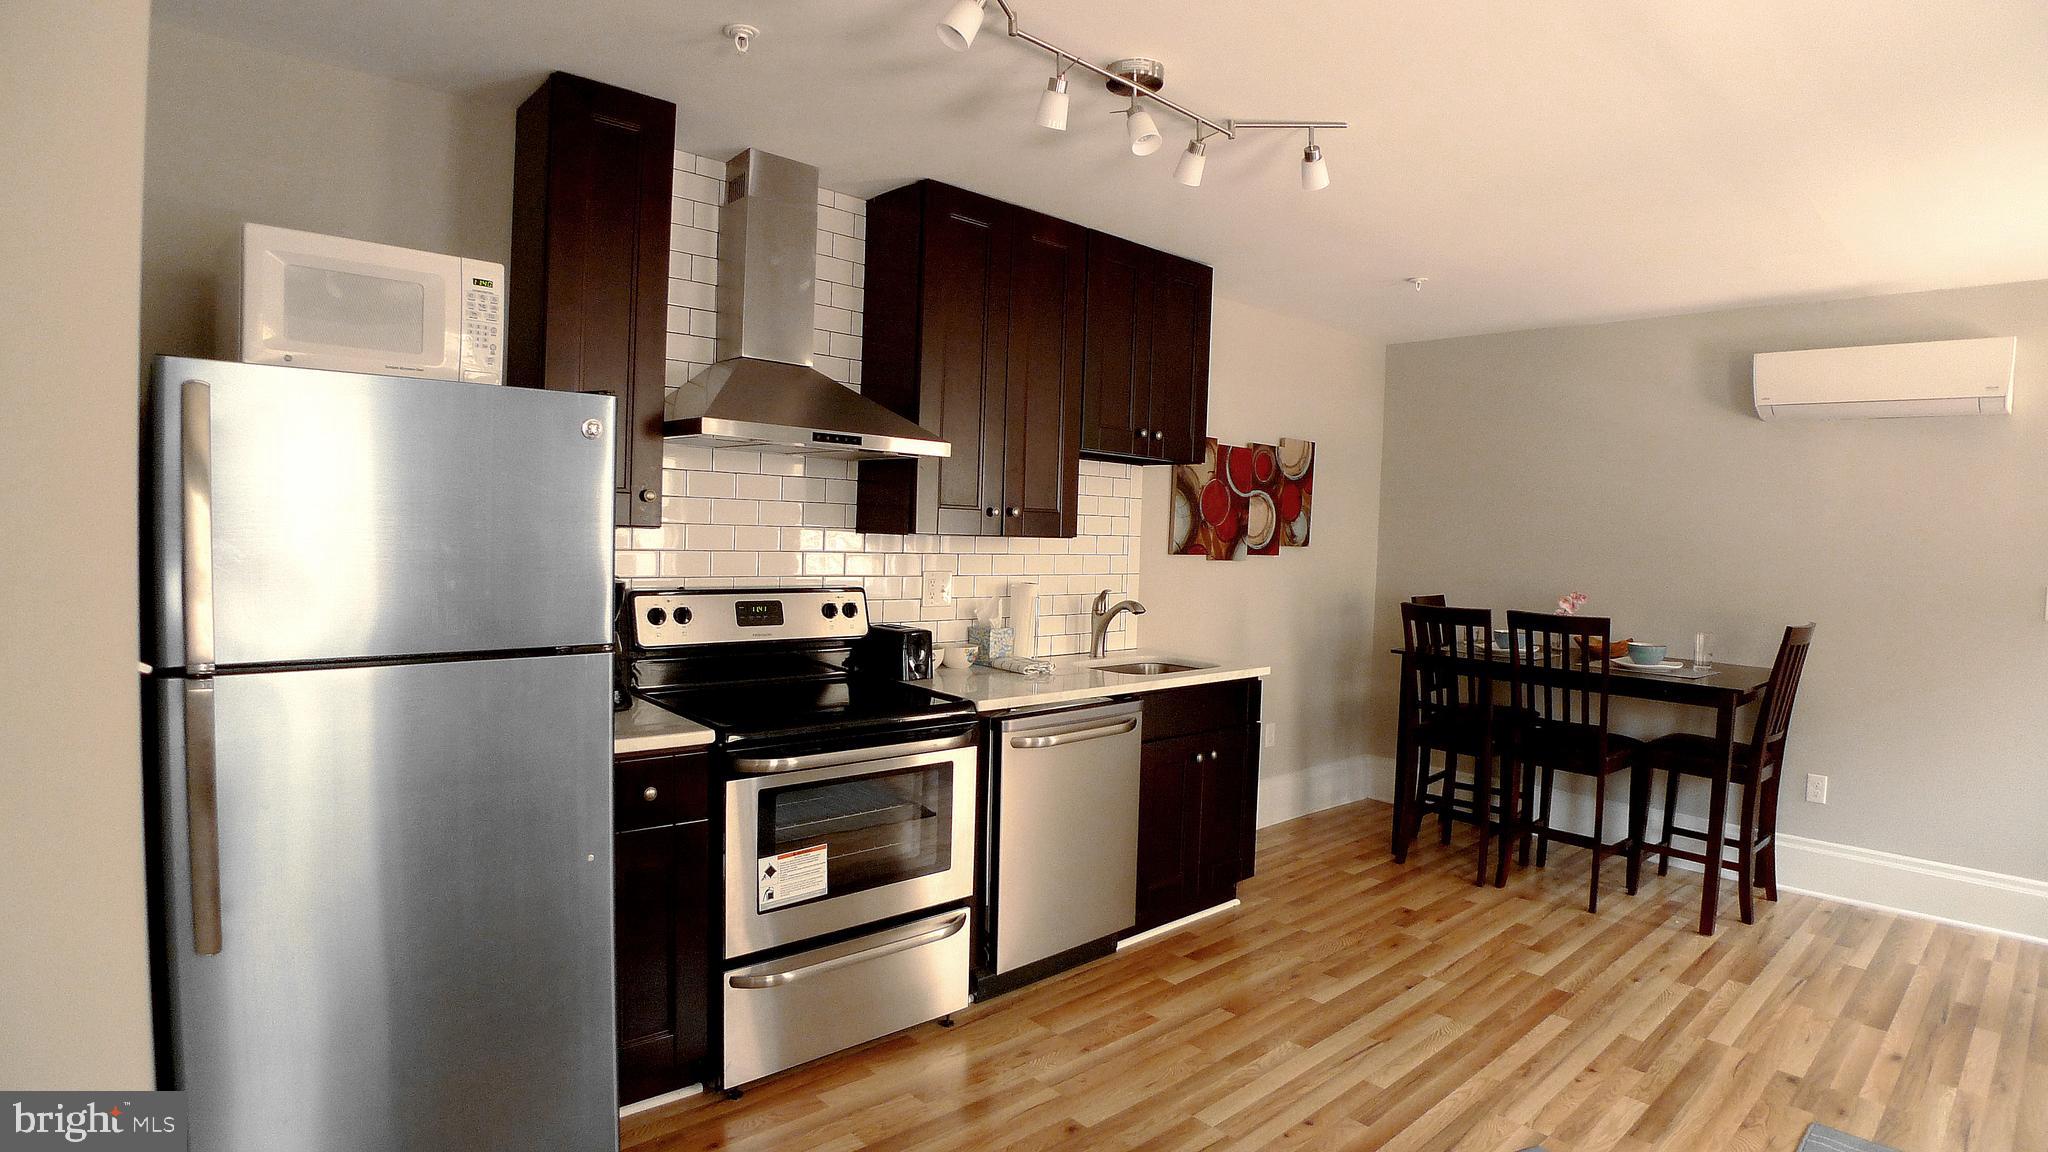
1482, 803
1543, 818
1745, 855
1768, 862
1510, 809
1449, 794
1671, 780
1528, 835
1599, 833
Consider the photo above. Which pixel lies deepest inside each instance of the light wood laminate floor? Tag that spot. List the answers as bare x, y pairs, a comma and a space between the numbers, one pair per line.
1359, 1004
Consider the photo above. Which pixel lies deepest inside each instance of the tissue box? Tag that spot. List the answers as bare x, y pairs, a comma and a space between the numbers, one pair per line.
991, 642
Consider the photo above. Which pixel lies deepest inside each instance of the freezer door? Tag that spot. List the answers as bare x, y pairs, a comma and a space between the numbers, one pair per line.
299, 516
403, 931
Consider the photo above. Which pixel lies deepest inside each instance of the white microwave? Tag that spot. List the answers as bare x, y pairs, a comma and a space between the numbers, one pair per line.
316, 301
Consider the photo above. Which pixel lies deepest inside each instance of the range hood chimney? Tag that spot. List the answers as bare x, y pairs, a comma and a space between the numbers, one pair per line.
763, 392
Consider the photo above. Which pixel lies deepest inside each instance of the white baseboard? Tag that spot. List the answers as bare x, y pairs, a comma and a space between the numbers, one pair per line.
1967, 897
666, 1098
1169, 928
1929, 889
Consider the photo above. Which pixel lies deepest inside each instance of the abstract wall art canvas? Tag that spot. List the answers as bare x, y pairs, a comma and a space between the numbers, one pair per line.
1243, 500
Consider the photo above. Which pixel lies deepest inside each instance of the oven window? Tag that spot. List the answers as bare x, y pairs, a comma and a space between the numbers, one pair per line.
860, 832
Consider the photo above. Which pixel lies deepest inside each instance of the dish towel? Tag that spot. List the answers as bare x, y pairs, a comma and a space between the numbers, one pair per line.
1020, 665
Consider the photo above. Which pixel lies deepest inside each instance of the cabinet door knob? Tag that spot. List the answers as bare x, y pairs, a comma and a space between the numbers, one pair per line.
991, 511
1214, 755
1198, 757
1159, 435
651, 793
1141, 433
647, 496
1011, 511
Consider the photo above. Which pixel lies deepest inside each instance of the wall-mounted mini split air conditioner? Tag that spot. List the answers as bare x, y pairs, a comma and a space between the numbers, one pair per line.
1935, 378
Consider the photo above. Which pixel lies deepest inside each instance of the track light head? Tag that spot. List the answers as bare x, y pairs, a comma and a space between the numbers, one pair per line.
1052, 105
1189, 170
1315, 175
1142, 132
962, 22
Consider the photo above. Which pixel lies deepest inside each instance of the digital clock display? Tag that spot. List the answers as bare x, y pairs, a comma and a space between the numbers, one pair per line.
758, 613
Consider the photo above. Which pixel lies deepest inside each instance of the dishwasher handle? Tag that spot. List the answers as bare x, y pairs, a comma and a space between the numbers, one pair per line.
1078, 735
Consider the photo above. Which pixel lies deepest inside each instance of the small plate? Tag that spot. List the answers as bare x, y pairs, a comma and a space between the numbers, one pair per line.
1666, 666
1670, 668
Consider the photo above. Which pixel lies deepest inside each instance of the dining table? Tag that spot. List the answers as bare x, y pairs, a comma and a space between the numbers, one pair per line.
1724, 690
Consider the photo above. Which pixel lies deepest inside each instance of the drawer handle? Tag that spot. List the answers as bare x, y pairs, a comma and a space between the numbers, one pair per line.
1075, 735
650, 794
953, 924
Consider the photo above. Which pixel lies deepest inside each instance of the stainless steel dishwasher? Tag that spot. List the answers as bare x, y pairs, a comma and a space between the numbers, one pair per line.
1060, 858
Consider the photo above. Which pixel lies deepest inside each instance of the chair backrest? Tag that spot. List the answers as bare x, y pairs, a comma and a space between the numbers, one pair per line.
1774, 711
1555, 675
1437, 643
1437, 601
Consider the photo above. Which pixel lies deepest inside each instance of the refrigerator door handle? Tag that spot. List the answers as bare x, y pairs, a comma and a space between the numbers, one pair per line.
202, 817
196, 459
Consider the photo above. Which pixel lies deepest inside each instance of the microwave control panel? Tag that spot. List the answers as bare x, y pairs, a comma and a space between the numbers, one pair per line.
483, 322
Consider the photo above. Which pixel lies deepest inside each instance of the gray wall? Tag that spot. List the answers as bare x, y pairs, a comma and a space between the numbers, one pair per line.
1625, 461
74, 974
239, 133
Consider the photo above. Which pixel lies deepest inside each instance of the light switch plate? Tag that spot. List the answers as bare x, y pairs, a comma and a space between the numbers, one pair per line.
938, 589
1269, 734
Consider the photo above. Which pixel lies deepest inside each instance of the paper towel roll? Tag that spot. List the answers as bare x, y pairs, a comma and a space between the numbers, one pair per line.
1024, 617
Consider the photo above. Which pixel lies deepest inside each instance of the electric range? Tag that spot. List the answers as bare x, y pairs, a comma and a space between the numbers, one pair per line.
849, 816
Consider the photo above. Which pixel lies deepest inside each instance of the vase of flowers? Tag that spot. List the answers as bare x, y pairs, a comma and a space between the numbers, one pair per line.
1570, 603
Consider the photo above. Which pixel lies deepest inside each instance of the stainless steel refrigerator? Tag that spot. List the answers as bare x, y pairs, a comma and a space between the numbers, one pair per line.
378, 679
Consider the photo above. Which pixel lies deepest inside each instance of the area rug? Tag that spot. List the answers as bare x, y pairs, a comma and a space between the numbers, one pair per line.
1821, 1138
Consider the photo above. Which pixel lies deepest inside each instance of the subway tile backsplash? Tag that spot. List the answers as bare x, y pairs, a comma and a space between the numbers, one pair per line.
734, 517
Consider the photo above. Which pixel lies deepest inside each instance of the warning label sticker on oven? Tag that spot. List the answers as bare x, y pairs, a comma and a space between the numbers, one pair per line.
792, 876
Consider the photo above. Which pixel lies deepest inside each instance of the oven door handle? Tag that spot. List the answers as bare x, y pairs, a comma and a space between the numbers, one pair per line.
770, 765
933, 935
1075, 735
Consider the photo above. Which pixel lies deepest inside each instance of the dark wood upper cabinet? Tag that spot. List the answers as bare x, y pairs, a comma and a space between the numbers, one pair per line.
973, 328
1146, 393
590, 232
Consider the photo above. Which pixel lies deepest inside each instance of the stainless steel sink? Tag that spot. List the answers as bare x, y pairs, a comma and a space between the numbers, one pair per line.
1150, 668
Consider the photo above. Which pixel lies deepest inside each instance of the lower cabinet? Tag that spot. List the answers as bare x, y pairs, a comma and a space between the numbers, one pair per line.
662, 892
1197, 798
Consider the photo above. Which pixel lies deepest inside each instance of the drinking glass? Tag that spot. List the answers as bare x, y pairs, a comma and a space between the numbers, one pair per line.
1703, 651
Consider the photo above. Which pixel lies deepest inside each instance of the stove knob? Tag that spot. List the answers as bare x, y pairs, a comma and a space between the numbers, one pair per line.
656, 617
682, 615
830, 610
850, 609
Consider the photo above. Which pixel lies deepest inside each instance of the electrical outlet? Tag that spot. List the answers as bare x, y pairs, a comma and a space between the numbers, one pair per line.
1816, 788
1269, 734
938, 589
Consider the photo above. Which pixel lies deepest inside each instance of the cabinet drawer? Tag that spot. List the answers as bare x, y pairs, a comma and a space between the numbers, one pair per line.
1175, 712
651, 791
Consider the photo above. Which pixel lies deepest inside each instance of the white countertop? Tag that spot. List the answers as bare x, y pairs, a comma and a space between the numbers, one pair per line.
643, 727
1078, 678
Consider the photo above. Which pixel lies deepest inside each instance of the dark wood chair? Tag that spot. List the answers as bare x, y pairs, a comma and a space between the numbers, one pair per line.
1448, 657
1436, 601
1560, 687
1758, 767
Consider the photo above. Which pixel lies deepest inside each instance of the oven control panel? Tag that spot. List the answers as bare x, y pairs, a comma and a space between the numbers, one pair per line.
680, 619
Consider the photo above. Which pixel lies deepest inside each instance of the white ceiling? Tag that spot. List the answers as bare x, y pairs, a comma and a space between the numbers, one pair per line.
1542, 163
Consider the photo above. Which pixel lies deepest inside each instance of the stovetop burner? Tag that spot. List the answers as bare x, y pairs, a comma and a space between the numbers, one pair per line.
760, 712
766, 665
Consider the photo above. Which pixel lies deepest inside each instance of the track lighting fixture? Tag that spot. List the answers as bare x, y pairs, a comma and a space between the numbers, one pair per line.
1315, 175
962, 21
1052, 103
1189, 170
1139, 78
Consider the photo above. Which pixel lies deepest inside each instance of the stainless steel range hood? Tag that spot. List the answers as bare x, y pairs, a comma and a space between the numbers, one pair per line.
763, 392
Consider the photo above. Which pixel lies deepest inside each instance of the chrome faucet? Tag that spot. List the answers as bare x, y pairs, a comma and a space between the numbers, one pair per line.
1105, 614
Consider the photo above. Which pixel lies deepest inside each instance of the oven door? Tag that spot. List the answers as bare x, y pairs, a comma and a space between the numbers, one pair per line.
828, 841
